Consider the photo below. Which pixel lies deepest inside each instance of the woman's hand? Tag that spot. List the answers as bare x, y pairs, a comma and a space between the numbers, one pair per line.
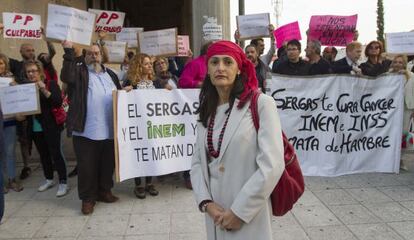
41, 85
168, 87
20, 117
215, 211
128, 88
231, 221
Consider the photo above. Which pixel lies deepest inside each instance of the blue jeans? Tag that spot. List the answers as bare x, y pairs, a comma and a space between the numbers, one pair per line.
9, 154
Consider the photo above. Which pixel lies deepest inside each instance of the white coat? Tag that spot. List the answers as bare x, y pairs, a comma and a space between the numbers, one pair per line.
249, 166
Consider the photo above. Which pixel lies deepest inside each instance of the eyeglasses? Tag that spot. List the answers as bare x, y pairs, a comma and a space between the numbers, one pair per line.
32, 71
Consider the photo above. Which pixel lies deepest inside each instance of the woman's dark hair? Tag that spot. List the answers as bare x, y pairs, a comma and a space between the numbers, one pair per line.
209, 97
47, 65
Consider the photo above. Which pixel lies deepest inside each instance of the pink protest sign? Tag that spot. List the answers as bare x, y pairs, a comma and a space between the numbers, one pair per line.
183, 45
333, 30
287, 32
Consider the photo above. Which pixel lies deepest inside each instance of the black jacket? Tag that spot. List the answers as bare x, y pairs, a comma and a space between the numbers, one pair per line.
261, 72
341, 66
75, 74
300, 68
374, 70
321, 67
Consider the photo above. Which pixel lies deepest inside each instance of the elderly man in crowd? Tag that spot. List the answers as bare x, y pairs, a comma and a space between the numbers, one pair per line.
318, 65
349, 64
294, 65
90, 120
329, 54
261, 68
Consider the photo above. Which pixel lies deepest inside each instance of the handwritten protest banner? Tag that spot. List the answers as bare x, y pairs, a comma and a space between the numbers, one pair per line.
116, 51
342, 124
253, 25
287, 32
5, 81
158, 43
66, 23
129, 35
155, 131
333, 30
400, 43
20, 25
183, 45
108, 21
23, 99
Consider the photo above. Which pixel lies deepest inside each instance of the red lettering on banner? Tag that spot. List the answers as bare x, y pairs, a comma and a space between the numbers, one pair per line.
17, 17
103, 15
28, 19
114, 16
23, 33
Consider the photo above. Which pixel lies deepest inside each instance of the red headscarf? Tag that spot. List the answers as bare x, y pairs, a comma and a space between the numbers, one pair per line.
246, 67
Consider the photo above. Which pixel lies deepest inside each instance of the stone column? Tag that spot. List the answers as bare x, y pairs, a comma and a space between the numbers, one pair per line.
207, 12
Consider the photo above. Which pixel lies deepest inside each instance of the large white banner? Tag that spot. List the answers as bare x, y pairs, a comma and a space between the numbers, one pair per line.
20, 25
155, 131
342, 124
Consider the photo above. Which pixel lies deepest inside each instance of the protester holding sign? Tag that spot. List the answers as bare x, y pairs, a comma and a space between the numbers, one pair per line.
235, 169
9, 132
44, 129
90, 120
399, 65
140, 76
376, 63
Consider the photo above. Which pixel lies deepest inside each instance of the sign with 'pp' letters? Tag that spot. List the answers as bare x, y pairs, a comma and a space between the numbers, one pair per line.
108, 21
20, 25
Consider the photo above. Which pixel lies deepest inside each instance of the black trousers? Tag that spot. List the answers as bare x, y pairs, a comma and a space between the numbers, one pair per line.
48, 146
96, 164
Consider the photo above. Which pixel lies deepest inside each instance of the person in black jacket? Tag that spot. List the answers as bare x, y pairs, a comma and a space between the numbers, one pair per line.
261, 68
349, 64
318, 65
376, 64
90, 121
294, 65
44, 129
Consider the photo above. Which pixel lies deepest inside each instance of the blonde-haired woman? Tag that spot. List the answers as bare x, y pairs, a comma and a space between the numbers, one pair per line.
140, 75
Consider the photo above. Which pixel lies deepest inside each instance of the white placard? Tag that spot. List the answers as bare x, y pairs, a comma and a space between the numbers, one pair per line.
342, 124
400, 43
108, 21
211, 30
116, 51
253, 25
20, 25
23, 99
66, 23
129, 35
5, 82
155, 131
158, 43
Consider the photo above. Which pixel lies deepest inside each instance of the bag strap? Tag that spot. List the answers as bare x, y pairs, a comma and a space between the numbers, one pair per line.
253, 109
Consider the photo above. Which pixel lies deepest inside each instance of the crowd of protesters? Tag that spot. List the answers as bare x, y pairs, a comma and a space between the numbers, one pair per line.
88, 91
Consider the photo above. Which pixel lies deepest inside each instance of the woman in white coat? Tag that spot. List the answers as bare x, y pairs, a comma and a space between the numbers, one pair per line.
235, 168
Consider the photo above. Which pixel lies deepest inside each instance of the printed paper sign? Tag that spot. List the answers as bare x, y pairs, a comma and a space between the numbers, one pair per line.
158, 43
287, 32
23, 99
66, 23
116, 51
155, 131
342, 124
5, 82
400, 43
129, 35
183, 45
211, 30
333, 30
19, 25
108, 21
253, 25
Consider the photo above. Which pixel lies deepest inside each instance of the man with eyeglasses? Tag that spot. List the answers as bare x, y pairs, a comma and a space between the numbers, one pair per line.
90, 121
294, 64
